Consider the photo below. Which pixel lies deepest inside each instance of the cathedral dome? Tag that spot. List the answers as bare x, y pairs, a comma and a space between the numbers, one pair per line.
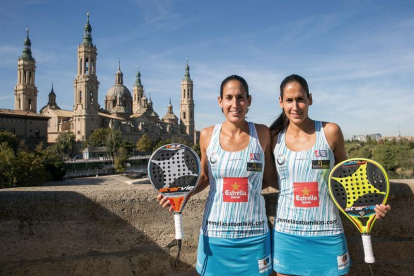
118, 90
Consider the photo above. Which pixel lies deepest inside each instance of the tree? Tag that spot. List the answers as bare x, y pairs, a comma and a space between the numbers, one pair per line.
53, 164
196, 148
113, 141
144, 144
7, 161
10, 139
98, 137
119, 161
162, 143
128, 145
65, 144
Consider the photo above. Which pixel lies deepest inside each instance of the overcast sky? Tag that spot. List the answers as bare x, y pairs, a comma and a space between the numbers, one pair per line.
357, 56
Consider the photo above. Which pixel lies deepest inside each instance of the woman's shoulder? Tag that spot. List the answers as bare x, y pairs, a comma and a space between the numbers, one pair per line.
261, 128
331, 128
207, 130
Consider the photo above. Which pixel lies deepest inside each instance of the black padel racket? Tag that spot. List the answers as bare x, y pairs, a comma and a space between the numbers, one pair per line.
174, 171
356, 186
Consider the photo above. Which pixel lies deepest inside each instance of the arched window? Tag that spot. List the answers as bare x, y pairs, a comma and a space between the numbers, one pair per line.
92, 67
30, 77
24, 77
80, 66
30, 104
91, 97
184, 115
80, 96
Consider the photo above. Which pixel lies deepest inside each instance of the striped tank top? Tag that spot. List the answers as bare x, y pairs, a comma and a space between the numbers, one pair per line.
235, 207
305, 207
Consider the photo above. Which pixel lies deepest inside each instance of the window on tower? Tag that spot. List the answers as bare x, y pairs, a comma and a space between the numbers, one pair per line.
80, 66
80, 96
92, 67
184, 115
86, 66
91, 97
24, 77
30, 77
30, 104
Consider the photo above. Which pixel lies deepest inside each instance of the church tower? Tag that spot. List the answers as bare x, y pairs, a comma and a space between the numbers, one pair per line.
187, 104
138, 92
25, 91
85, 107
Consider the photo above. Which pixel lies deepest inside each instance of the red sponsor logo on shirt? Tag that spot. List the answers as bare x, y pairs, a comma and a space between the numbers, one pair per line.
306, 194
235, 189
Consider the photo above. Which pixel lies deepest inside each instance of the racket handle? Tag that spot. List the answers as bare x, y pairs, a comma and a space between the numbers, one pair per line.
179, 233
369, 254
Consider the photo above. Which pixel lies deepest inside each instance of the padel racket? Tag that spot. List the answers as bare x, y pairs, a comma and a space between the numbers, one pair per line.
356, 186
174, 171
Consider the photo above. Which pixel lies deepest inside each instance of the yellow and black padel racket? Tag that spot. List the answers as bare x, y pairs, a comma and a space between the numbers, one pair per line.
356, 186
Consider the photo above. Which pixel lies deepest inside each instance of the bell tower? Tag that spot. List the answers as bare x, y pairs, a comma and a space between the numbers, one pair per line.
138, 92
187, 104
25, 96
85, 107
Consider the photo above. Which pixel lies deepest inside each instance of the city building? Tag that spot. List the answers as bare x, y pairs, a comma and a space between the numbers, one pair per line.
132, 114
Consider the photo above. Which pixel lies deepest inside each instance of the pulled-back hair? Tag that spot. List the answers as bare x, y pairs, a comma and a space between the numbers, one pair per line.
282, 121
237, 78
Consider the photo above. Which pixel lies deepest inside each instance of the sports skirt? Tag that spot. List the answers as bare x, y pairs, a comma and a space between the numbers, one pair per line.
242, 257
310, 255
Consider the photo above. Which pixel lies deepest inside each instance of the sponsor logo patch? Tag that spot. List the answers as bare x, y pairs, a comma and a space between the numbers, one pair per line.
306, 194
321, 153
254, 167
255, 156
235, 189
264, 264
281, 159
213, 158
321, 164
343, 261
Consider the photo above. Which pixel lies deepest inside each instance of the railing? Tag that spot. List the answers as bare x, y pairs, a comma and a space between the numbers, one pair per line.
105, 159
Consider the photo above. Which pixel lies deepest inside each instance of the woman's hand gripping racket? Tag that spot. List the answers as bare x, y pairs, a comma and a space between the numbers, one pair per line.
356, 186
174, 171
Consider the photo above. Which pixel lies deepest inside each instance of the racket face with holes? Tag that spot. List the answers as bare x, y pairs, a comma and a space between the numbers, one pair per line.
356, 186
174, 171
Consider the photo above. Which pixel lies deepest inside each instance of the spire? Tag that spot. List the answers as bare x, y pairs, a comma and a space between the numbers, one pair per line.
119, 75
52, 92
149, 99
138, 79
187, 72
27, 49
87, 37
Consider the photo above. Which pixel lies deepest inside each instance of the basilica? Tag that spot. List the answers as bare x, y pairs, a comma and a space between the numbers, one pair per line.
131, 113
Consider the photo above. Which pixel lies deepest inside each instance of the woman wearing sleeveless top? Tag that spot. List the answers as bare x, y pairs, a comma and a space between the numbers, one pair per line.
308, 235
236, 158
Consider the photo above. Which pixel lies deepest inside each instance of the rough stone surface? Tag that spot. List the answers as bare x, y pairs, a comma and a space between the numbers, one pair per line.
112, 226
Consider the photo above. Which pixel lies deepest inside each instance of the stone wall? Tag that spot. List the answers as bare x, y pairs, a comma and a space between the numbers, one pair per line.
101, 226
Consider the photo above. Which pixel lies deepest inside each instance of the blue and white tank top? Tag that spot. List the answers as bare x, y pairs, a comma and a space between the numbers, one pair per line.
305, 207
235, 207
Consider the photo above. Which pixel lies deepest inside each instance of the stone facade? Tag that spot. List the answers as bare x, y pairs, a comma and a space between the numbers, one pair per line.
132, 114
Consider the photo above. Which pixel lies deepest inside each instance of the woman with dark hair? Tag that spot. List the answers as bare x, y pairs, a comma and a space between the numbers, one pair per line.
308, 235
236, 162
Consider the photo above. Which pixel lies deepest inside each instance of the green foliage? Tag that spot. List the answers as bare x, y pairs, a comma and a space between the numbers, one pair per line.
196, 148
113, 142
65, 144
7, 161
162, 143
98, 137
53, 164
128, 145
10, 139
144, 144
119, 160
392, 155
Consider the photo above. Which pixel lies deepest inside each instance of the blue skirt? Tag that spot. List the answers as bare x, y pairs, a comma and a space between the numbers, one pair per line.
242, 257
310, 255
